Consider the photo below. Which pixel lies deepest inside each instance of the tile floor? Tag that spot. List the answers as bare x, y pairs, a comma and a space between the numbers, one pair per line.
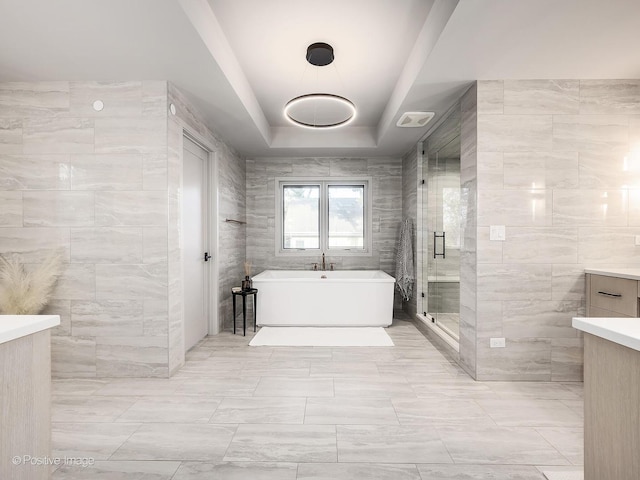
316, 413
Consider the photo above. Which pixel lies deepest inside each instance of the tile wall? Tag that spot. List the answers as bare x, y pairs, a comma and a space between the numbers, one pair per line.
387, 209
558, 163
103, 188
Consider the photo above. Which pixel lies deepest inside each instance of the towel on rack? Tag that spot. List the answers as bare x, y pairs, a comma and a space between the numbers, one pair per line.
404, 261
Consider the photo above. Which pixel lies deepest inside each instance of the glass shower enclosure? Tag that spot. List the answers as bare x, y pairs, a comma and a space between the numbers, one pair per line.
440, 229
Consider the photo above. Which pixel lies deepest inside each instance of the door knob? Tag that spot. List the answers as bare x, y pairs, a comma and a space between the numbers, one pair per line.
206, 256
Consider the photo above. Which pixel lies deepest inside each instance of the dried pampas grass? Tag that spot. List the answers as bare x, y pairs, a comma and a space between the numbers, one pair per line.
24, 292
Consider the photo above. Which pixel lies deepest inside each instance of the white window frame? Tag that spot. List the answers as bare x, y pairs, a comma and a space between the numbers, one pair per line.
324, 183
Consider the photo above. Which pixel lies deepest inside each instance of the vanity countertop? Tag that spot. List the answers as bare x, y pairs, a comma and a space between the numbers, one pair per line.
629, 273
16, 326
623, 331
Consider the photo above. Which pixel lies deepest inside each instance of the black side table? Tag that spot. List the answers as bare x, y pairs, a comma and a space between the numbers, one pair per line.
245, 293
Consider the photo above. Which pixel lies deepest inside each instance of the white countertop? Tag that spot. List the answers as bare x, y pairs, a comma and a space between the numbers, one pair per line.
630, 273
623, 331
16, 326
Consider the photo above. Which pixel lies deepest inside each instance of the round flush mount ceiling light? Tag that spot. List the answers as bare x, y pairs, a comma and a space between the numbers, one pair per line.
320, 111
98, 105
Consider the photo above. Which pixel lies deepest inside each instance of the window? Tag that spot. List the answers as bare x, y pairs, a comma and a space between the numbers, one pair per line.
330, 216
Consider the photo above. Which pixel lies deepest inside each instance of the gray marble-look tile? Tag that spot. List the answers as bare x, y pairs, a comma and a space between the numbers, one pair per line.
590, 207
154, 98
57, 135
354, 411
76, 386
283, 443
147, 135
479, 472
34, 172
63, 309
594, 133
568, 441
107, 317
58, 209
508, 281
131, 281
131, 208
121, 356
10, 135
222, 386
634, 207
532, 207
602, 97
567, 282
541, 96
526, 318
236, 471
33, 99
73, 357
594, 245
455, 387
514, 133
535, 390
176, 441
338, 369
530, 412
490, 96
121, 99
156, 317
294, 387
440, 410
532, 170
140, 387
508, 445
522, 359
351, 471
260, 410
567, 355
93, 440
11, 214
490, 170
154, 244
388, 443
118, 470
171, 409
106, 172
88, 408
77, 282
540, 245
154, 171
489, 316
106, 245
611, 169
373, 387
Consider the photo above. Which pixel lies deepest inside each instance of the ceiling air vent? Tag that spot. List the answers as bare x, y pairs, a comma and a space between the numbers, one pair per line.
414, 119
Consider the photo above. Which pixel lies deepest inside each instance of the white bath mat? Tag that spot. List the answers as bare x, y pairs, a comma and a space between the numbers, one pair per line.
322, 337
563, 474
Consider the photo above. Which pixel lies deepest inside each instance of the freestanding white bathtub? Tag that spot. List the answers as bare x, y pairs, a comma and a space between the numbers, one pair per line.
344, 298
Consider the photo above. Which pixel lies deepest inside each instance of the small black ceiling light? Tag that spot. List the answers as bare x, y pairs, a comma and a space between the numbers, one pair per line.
320, 110
320, 54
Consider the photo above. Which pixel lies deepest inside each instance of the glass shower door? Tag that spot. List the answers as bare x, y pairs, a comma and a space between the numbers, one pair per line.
442, 254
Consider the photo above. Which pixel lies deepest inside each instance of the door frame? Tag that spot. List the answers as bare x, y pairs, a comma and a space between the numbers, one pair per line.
211, 229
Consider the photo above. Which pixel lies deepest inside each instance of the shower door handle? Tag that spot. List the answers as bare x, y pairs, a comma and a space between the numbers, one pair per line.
435, 254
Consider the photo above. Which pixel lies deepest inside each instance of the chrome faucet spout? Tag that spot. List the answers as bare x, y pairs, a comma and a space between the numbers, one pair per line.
324, 265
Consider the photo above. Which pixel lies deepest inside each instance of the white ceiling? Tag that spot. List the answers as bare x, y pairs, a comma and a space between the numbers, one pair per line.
242, 60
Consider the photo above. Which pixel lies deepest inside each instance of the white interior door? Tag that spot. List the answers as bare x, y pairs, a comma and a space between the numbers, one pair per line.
195, 238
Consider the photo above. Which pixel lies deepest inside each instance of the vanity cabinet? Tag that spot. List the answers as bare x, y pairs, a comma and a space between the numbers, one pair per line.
613, 293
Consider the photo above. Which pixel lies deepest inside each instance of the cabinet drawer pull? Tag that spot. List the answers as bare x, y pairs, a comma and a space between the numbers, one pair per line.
610, 294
